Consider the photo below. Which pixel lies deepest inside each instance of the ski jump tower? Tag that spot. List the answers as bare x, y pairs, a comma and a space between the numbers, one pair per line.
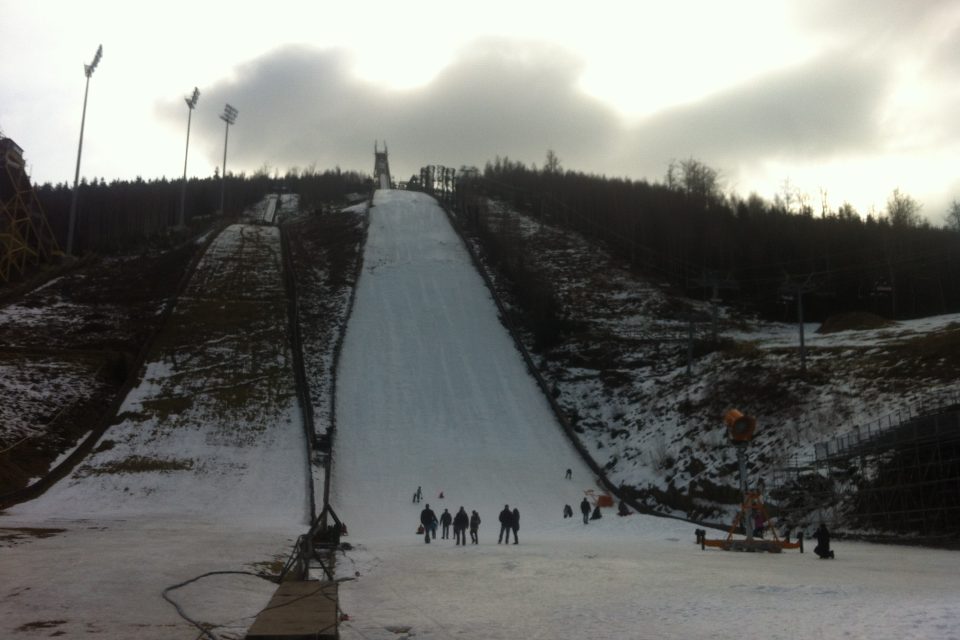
381, 167
25, 235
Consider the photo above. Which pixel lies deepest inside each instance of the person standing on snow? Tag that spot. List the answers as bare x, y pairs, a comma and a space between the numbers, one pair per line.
460, 522
505, 518
569, 475
445, 520
515, 524
474, 527
428, 519
585, 510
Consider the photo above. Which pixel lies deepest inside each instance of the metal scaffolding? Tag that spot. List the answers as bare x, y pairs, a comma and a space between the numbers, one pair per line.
895, 481
25, 235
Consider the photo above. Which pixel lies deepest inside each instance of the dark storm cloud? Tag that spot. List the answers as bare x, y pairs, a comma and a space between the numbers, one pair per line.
824, 108
301, 106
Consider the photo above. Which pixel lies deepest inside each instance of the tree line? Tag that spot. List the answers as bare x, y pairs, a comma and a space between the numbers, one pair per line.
123, 213
767, 255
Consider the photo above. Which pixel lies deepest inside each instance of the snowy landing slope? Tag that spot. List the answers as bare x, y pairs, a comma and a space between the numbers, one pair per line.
433, 393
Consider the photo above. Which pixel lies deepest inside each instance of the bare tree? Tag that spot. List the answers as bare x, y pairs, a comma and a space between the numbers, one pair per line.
552, 165
694, 178
903, 210
953, 215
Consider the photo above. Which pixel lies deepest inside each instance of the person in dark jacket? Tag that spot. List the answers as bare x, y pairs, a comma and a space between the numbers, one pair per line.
445, 520
515, 525
474, 527
585, 510
460, 523
567, 511
596, 513
428, 519
823, 542
505, 518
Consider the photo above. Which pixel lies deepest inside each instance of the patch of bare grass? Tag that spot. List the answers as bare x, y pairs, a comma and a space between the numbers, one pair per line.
137, 464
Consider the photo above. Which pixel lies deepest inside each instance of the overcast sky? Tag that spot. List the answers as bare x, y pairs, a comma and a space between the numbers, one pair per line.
851, 98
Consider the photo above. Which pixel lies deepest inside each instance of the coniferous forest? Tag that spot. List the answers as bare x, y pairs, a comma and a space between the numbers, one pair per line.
764, 255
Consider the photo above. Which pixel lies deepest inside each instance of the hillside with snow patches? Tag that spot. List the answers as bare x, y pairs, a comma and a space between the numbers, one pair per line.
644, 383
205, 471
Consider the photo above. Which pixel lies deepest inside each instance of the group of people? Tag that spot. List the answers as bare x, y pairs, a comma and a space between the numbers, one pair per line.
461, 521
509, 521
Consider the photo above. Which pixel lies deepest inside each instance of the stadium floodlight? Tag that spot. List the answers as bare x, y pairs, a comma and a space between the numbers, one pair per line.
191, 103
88, 70
229, 116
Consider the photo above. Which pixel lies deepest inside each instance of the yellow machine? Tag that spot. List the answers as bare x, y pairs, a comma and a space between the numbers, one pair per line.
741, 429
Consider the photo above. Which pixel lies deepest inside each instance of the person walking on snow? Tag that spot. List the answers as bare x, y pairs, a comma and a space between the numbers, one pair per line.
460, 522
445, 520
505, 518
585, 510
569, 474
428, 519
474, 527
418, 495
515, 524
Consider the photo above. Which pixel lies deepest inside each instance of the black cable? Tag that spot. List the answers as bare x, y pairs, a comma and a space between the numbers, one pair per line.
204, 632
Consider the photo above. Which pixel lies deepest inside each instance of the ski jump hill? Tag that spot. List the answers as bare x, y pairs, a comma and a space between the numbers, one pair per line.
432, 392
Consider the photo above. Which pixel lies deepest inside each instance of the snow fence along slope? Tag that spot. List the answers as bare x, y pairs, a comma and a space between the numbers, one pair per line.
213, 429
432, 392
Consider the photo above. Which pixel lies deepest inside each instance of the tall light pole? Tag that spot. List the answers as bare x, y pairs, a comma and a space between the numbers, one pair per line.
88, 70
191, 103
229, 116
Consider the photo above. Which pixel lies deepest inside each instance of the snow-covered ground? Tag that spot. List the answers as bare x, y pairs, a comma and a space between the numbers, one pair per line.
205, 470
433, 393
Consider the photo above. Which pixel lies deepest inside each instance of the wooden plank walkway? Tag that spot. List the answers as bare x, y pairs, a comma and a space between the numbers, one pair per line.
299, 610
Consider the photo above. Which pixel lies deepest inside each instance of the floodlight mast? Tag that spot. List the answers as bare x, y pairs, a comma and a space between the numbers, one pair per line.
191, 103
229, 116
88, 70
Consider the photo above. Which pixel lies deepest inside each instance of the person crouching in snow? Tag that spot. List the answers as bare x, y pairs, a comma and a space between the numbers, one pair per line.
823, 542
567, 511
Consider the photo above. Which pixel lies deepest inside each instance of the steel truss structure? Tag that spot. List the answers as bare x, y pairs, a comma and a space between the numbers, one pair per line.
26, 239
902, 482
